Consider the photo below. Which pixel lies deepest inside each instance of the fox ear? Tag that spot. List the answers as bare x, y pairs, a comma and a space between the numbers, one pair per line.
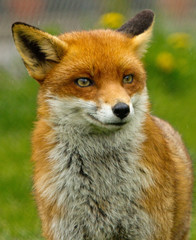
39, 50
139, 28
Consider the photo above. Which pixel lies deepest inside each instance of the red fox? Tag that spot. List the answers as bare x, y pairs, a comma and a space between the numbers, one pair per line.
104, 167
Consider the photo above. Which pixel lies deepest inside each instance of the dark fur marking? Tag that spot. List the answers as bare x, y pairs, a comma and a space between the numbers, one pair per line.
99, 208
33, 46
69, 161
102, 212
139, 206
81, 172
142, 171
138, 24
120, 233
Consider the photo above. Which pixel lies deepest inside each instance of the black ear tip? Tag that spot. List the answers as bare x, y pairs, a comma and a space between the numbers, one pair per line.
23, 24
147, 11
18, 23
147, 14
14, 27
138, 24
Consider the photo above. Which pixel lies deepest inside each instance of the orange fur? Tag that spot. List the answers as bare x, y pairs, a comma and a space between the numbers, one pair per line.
169, 200
106, 57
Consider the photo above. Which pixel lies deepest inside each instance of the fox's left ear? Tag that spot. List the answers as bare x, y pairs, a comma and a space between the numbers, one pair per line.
39, 50
139, 28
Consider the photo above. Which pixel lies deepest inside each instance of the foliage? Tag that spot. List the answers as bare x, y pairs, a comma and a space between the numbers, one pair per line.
172, 89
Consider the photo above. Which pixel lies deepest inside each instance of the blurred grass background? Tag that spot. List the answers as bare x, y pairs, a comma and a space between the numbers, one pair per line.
170, 65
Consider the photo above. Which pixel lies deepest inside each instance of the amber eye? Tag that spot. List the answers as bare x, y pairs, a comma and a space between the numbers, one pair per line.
128, 79
84, 82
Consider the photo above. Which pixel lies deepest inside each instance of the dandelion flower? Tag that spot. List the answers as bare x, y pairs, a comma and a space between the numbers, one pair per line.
165, 61
179, 40
112, 20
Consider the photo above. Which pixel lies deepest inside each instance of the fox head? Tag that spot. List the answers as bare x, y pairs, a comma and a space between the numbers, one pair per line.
92, 78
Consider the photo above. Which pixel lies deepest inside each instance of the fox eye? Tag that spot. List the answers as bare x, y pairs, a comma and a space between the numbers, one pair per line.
83, 82
128, 79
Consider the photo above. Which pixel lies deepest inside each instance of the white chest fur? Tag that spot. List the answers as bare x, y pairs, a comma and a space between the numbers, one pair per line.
97, 184
97, 179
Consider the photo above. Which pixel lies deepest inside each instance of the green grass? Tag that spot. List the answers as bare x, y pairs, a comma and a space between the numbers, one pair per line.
172, 96
18, 215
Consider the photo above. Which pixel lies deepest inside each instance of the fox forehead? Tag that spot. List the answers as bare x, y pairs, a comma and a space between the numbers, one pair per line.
102, 39
99, 47
100, 54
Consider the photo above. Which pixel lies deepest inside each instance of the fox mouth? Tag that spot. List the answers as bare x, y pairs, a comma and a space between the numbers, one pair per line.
117, 124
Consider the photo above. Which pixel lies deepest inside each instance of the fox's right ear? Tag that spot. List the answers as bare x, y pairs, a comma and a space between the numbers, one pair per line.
39, 50
139, 29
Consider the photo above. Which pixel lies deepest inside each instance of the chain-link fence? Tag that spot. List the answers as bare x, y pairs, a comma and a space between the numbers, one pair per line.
67, 15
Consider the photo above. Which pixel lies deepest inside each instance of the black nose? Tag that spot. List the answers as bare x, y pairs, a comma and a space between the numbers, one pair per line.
121, 110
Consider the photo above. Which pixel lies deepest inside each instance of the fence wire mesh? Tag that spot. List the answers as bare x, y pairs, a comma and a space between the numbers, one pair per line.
68, 15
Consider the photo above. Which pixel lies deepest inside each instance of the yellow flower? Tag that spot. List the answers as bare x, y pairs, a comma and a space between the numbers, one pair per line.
112, 20
165, 61
179, 40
